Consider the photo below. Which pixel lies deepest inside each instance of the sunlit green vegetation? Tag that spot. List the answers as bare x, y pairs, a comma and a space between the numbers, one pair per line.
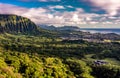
23, 56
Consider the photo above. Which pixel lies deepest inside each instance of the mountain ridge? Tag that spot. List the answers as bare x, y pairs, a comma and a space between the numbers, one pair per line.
10, 23
61, 28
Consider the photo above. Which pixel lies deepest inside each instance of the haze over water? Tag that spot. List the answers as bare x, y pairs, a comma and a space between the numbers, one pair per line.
101, 30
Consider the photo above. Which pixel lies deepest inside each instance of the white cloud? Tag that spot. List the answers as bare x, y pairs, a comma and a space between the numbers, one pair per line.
69, 6
44, 16
93, 22
107, 22
75, 18
56, 7
110, 6
11, 9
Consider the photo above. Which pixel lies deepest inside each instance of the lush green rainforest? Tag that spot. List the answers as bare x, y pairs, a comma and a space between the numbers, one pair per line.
24, 56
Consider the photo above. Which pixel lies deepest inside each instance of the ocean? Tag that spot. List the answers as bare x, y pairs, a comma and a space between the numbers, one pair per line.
100, 30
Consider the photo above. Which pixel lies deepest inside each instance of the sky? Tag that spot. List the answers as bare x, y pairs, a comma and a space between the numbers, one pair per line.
81, 13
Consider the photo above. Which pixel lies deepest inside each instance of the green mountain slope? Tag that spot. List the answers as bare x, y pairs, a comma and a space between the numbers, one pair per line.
20, 25
17, 24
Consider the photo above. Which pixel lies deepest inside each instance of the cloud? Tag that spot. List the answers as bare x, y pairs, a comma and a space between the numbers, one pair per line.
110, 6
11, 9
69, 6
52, 17
56, 7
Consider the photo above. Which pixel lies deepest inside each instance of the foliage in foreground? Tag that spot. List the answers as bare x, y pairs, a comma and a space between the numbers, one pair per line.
40, 57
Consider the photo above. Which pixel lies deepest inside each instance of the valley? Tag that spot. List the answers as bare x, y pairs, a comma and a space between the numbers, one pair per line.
27, 52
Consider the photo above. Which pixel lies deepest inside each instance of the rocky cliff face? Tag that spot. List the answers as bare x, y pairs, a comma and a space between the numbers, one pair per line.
16, 24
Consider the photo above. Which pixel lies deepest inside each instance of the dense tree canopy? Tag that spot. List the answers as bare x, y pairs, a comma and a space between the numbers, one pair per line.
23, 56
